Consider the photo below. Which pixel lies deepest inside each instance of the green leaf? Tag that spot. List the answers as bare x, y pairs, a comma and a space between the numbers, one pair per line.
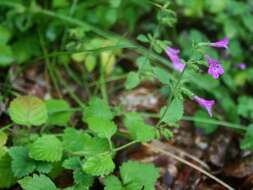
6, 55
25, 48
72, 163
99, 165
96, 146
74, 140
203, 81
43, 167
28, 110
6, 176
137, 128
102, 127
4, 35
37, 182
46, 148
173, 113
3, 138
144, 65
247, 141
90, 62
3, 151
245, 106
133, 186
142, 38
82, 178
132, 80
58, 111
60, 3
162, 75
248, 21
133, 172
167, 134
107, 61
21, 164
112, 183
97, 108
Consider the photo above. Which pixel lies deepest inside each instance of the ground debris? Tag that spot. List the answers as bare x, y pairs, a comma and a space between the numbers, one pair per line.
240, 168
217, 150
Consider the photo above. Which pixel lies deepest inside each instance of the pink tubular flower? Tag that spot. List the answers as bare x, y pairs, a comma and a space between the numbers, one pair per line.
207, 104
241, 66
215, 69
221, 43
173, 55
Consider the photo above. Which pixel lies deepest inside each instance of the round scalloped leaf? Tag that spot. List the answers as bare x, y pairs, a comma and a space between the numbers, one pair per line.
46, 148
28, 110
21, 164
37, 182
99, 165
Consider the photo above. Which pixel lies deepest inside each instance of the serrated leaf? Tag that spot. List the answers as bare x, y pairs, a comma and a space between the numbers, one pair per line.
102, 127
144, 65
97, 108
3, 138
43, 167
132, 80
137, 128
112, 183
96, 146
6, 176
133, 186
173, 113
74, 140
81, 178
28, 110
132, 172
21, 164
162, 75
36, 182
72, 163
77, 140
58, 112
99, 165
46, 148
167, 134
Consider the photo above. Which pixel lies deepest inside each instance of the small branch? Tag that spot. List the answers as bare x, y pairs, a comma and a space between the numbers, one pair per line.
6, 127
157, 149
180, 152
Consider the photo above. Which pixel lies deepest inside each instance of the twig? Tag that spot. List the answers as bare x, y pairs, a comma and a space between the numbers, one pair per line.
157, 149
183, 153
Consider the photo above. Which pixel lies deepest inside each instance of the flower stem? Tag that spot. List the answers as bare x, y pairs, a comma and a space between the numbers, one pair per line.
172, 94
126, 145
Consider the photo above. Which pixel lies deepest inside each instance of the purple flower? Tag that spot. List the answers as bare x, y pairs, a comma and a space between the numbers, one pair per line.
221, 43
207, 104
173, 55
215, 69
241, 66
